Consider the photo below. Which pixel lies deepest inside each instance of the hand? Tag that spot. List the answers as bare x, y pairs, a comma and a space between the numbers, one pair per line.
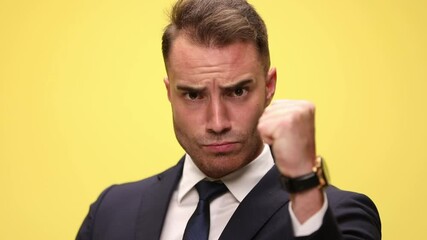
288, 126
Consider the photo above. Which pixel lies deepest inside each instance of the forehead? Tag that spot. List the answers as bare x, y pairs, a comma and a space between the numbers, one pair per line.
187, 57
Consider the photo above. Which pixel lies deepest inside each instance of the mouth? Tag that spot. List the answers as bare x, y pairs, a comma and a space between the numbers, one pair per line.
220, 147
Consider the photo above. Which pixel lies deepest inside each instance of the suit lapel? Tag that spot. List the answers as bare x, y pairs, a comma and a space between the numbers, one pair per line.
257, 208
155, 202
254, 211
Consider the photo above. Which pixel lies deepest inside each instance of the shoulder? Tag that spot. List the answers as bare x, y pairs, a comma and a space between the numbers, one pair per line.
116, 208
129, 194
130, 190
338, 197
123, 199
354, 212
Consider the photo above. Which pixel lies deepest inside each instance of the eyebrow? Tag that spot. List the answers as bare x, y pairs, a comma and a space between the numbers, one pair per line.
186, 88
242, 83
239, 84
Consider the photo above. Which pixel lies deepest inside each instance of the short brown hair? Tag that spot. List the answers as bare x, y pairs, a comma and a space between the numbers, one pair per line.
217, 23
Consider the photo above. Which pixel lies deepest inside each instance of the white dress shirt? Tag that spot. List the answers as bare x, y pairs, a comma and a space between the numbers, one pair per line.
239, 183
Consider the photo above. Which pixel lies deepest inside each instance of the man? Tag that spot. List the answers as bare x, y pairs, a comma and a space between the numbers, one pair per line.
220, 85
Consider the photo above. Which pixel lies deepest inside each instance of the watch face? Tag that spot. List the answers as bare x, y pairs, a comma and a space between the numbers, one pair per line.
323, 172
317, 178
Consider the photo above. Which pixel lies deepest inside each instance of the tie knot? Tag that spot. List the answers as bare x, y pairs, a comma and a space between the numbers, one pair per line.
208, 190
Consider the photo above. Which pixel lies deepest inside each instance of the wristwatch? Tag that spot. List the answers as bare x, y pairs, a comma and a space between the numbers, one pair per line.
317, 178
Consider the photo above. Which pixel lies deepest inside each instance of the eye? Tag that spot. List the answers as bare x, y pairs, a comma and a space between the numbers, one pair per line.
239, 92
192, 95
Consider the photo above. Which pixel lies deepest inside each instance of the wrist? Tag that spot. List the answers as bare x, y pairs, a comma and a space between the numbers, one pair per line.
297, 171
317, 177
307, 203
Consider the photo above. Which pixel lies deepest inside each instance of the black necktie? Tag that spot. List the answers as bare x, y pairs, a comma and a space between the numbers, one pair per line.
198, 226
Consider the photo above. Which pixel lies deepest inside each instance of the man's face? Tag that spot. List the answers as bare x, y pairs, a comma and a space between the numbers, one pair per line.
217, 96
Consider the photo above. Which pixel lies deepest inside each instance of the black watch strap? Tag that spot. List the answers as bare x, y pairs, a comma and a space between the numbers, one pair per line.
302, 183
317, 178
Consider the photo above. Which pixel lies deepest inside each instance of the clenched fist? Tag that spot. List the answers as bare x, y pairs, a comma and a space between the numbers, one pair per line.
288, 126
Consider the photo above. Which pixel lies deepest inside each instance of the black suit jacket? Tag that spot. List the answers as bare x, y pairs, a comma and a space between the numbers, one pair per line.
136, 211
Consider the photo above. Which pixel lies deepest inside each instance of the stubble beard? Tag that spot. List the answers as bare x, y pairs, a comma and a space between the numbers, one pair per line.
217, 165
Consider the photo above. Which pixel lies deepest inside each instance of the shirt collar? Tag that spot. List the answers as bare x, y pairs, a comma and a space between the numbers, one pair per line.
239, 183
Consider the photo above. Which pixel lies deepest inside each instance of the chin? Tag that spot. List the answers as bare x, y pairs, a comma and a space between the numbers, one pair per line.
221, 166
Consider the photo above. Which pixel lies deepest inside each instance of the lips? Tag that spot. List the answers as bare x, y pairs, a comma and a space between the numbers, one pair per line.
222, 147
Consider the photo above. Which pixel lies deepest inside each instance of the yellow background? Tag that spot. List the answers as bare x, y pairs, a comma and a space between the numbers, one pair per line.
82, 103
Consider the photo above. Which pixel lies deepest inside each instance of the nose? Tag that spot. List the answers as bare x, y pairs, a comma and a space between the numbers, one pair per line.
218, 120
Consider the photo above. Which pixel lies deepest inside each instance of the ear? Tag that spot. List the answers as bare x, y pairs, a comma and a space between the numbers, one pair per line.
167, 85
270, 85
